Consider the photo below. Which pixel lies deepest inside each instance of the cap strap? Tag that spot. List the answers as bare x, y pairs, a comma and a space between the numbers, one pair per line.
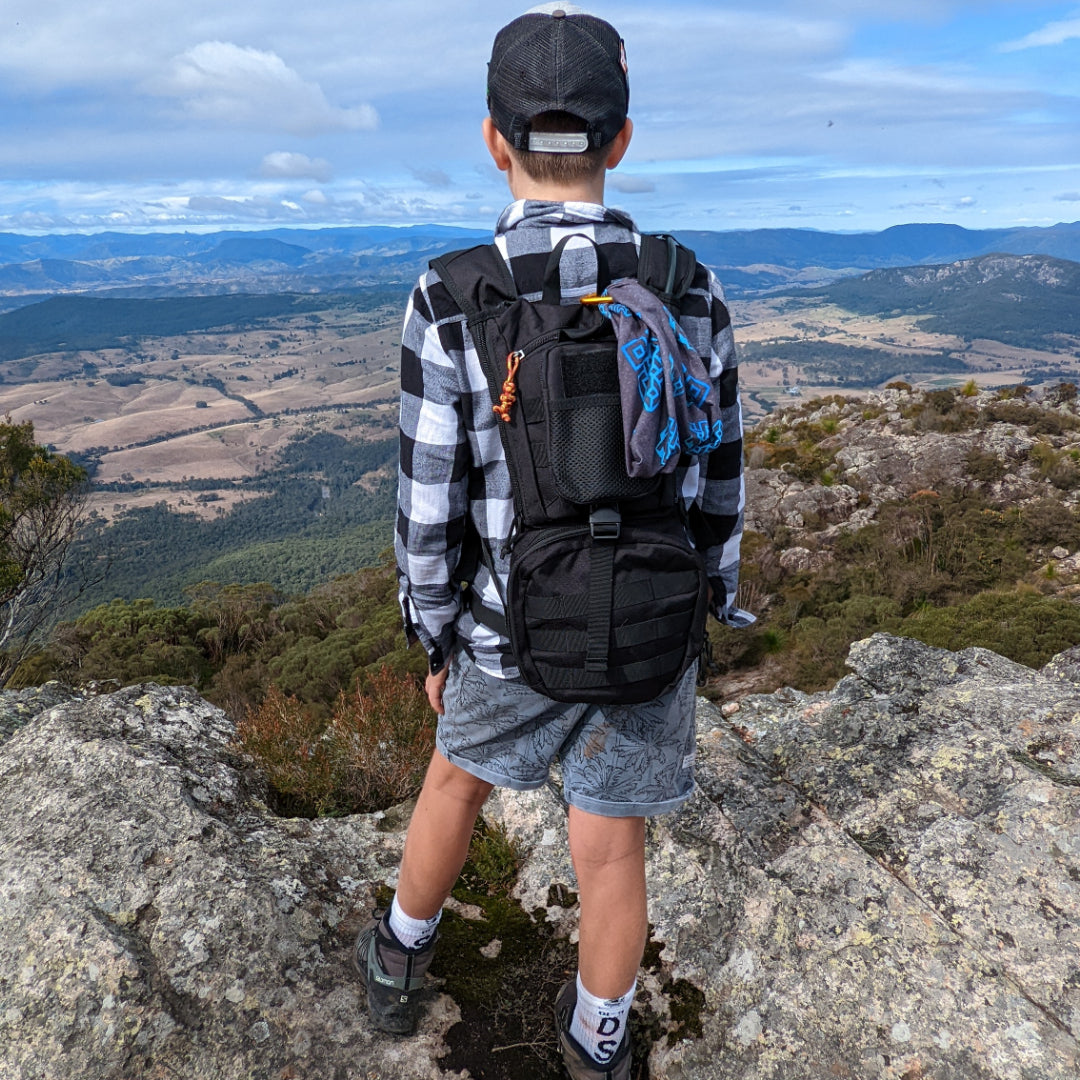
558, 144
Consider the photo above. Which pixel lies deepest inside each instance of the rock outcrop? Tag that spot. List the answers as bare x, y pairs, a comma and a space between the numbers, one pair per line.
880, 449
881, 881
158, 922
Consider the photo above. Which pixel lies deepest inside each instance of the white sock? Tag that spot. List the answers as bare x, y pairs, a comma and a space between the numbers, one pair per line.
599, 1024
412, 933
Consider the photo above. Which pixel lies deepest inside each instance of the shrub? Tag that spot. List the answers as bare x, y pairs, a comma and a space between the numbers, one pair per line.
1022, 625
1047, 521
494, 859
1011, 393
942, 410
369, 755
984, 466
1057, 466
1062, 394
1037, 420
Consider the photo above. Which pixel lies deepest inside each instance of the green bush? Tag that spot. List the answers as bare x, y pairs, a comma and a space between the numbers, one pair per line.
1038, 420
924, 564
1022, 625
984, 467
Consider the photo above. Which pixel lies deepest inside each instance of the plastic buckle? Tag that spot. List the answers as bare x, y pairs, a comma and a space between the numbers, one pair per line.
605, 523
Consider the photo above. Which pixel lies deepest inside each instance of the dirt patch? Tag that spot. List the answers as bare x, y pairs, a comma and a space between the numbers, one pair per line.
222, 454
110, 505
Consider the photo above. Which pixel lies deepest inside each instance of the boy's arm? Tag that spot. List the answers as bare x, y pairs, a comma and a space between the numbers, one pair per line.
432, 481
721, 491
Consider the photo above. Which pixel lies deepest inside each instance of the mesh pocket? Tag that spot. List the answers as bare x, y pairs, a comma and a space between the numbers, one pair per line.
588, 455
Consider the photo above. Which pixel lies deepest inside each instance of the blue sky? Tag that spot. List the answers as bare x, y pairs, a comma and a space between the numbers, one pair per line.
858, 116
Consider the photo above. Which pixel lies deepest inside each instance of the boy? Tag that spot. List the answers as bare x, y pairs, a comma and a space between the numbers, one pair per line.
557, 97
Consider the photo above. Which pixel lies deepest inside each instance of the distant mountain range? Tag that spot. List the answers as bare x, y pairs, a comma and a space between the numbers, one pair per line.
765, 260
177, 264
1030, 301
1027, 301
321, 260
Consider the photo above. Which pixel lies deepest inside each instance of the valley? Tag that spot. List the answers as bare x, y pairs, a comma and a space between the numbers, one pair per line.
167, 417
251, 436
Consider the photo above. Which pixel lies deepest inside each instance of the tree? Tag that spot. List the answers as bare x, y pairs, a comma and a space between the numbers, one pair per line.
42, 499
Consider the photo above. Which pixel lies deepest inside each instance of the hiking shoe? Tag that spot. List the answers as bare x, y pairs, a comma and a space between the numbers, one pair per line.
579, 1065
392, 974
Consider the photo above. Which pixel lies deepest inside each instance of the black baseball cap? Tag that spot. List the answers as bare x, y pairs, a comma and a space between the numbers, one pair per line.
557, 58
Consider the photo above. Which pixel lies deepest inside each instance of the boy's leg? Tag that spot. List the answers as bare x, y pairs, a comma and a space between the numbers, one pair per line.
609, 860
592, 1013
438, 838
392, 953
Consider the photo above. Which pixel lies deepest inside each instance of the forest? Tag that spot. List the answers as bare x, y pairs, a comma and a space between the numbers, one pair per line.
310, 523
849, 365
80, 322
1025, 301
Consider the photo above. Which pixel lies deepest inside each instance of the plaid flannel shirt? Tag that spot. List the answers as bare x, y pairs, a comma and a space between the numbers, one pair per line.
452, 463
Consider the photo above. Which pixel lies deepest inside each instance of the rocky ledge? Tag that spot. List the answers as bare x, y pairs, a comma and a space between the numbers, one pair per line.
878, 881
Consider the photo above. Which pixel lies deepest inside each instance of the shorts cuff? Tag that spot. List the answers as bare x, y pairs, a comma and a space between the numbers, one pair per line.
625, 809
489, 776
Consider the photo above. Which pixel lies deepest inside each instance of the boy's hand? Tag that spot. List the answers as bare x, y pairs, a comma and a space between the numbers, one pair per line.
433, 685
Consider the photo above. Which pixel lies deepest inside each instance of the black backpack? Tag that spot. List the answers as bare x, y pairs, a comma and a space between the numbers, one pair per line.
606, 597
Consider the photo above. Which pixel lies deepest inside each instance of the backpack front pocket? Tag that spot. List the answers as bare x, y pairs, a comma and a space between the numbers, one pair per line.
640, 599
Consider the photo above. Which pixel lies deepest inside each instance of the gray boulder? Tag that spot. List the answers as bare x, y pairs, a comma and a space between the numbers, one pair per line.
19, 707
157, 921
881, 881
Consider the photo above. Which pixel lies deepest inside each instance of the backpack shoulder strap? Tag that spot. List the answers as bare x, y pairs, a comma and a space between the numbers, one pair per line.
477, 278
665, 266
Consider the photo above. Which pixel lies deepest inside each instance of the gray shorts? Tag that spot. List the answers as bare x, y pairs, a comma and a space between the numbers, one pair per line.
617, 760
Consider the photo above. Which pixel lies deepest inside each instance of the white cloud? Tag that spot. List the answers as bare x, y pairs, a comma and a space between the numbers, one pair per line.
236, 86
631, 185
227, 207
1055, 33
884, 75
283, 164
433, 178
1068, 196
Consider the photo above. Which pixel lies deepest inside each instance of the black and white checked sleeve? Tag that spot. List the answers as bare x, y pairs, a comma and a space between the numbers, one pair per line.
432, 471
721, 489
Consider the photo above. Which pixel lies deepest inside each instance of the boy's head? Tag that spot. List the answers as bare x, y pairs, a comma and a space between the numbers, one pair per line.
557, 91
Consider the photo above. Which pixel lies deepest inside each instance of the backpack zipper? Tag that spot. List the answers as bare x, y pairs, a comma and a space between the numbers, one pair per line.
508, 394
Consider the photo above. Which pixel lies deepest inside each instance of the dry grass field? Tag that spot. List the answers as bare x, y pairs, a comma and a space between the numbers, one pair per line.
110, 505
765, 383
213, 405
219, 405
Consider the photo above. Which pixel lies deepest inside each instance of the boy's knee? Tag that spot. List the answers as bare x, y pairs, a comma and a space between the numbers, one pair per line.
452, 781
597, 842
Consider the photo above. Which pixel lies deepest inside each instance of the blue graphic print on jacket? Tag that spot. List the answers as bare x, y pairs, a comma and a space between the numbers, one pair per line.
667, 399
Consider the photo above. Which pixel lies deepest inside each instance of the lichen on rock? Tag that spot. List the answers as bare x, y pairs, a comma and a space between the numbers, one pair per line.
880, 881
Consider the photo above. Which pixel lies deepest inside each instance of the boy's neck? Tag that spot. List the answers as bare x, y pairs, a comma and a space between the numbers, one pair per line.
523, 186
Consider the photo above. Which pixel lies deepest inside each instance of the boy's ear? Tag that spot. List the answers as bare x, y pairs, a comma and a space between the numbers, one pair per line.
498, 147
620, 143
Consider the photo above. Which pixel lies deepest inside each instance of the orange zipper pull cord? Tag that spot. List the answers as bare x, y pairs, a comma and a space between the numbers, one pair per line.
594, 300
509, 387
